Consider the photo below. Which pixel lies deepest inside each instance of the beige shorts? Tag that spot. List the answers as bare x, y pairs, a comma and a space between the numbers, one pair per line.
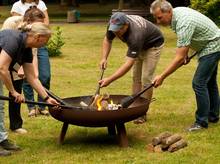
145, 65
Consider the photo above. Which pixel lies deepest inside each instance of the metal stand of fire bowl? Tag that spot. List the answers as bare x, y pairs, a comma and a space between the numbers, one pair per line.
121, 133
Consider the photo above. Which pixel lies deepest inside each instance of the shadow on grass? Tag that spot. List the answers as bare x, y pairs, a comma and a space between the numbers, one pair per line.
93, 140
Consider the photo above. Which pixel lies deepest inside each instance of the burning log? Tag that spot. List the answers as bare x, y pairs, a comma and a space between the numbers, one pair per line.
103, 102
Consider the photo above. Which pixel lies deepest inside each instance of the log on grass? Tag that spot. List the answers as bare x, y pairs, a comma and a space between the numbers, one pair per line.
150, 147
170, 140
158, 148
177, 145
158, 139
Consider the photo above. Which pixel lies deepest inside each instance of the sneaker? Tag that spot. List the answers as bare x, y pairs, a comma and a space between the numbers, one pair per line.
32, 113
195, 127
20, 131
6, 144
44, 112
4, 152
140, 120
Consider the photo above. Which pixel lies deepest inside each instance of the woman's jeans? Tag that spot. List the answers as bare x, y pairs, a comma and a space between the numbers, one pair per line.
206, 89
44, 77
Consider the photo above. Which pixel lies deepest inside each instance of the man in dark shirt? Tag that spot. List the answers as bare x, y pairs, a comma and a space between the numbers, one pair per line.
144, 41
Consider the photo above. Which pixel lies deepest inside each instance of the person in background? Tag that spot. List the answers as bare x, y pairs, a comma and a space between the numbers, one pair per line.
33, 14
144, 41
16, 50
43, 67
194, 30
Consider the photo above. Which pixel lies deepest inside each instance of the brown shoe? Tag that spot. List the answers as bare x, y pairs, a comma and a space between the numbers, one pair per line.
4, 152
44, 112
32, 113
140, 120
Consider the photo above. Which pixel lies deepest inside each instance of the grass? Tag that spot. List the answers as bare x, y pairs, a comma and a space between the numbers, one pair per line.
75, 73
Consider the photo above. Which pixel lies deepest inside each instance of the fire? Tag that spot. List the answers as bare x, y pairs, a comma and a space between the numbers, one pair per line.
98, 103
104, 102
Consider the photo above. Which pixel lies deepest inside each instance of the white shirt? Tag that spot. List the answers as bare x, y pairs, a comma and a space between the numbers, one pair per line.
20, 8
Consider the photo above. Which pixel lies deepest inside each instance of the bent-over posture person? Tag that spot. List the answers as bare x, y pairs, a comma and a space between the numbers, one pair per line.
33, 14
43, 64
144, 41
194, 30
16, 50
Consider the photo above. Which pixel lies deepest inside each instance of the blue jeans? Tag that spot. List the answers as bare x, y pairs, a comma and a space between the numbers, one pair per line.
44, 77
206, 89
3, 133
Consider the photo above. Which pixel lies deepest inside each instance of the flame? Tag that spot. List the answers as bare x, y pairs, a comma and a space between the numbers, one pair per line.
98, 103
111, 101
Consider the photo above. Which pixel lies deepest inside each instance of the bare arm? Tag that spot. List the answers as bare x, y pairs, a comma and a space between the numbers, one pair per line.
119, 73
15, 14
106, 48
181, 55
35, 83
35, 61
46, 19
5, 61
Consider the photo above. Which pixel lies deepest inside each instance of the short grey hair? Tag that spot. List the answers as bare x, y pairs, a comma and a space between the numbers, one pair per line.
164, 6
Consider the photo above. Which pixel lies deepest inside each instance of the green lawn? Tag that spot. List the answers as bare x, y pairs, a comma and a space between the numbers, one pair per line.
76, 72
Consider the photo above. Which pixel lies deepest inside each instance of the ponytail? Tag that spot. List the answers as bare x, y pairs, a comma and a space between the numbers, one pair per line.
37, 28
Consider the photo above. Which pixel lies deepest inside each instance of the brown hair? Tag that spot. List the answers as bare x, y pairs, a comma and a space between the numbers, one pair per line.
36, 1
33, 14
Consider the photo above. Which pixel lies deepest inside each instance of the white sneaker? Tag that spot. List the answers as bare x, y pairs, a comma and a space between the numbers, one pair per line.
20, 131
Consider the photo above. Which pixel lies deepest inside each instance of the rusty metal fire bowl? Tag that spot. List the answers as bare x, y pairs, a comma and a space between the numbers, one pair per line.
113, 119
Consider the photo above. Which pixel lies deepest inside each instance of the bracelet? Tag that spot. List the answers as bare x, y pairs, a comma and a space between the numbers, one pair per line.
46, 98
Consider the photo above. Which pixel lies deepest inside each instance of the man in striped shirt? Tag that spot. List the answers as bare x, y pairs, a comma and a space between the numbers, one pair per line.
196, 31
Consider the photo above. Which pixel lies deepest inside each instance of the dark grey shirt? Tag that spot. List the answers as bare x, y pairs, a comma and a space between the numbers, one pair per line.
13, 43
141, 35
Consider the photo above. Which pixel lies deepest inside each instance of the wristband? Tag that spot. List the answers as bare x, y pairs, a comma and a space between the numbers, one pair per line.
46, 98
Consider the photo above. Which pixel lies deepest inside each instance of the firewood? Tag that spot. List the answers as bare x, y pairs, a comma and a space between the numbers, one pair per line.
158, 149
82, 103
158, 139
177, 145
104, 105
150, 147
170, 140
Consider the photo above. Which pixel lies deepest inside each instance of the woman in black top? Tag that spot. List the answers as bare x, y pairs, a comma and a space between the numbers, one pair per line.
16, 50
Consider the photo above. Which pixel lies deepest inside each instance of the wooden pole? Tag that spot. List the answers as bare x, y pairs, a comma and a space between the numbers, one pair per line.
120, 4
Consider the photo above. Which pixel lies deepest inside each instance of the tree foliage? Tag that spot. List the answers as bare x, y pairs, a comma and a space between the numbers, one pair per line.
55, 43
210, 8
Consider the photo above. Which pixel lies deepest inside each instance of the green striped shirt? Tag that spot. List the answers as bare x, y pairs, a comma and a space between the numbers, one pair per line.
195, 30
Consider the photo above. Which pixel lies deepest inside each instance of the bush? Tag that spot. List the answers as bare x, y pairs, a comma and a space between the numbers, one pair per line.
209, 8
55, 43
